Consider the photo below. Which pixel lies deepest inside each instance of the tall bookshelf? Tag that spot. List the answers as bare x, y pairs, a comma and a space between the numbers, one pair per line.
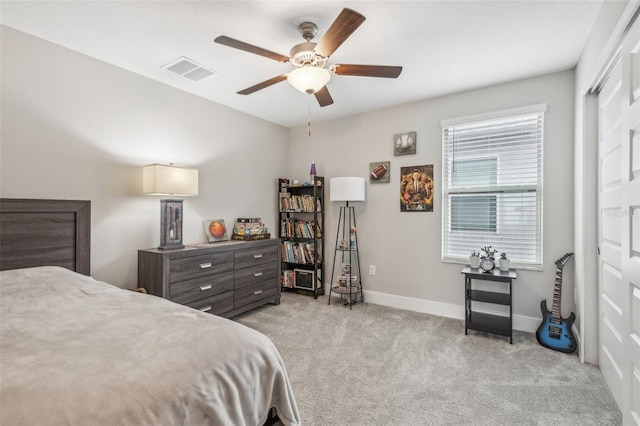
301, 233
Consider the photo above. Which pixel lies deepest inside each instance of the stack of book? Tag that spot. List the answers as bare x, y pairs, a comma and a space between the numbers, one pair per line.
249, 228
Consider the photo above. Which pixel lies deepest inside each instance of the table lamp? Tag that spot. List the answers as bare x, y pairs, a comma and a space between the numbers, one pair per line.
159, 179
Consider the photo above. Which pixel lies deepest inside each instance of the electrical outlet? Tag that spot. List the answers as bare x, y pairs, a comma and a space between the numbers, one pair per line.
372, 269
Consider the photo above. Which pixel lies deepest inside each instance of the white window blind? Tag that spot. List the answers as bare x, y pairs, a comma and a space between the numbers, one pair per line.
492, 185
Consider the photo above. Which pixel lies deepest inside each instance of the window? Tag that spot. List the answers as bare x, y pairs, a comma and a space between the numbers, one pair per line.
483, 208
492, 185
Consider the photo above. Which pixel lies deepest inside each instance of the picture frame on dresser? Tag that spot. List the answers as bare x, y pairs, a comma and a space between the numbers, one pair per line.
216, 230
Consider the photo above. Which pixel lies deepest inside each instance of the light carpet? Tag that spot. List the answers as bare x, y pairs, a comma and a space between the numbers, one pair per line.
376, 365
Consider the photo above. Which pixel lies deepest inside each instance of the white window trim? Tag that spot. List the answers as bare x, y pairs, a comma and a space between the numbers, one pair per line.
467, 119
494, 115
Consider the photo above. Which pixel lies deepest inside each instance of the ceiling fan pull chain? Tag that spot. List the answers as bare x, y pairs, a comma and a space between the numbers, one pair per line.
309, 119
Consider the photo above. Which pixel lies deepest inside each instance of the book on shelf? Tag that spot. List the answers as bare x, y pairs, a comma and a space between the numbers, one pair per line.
299, 252
308, 203
285, 201
297, 203
287, 278
295, 228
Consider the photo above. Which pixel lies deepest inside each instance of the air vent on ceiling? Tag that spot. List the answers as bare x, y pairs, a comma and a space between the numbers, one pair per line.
189, 69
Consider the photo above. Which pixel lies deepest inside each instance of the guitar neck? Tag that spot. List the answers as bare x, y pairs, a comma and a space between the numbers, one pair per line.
557, 296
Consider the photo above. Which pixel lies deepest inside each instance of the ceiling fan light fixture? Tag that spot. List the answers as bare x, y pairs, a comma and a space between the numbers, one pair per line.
309, 79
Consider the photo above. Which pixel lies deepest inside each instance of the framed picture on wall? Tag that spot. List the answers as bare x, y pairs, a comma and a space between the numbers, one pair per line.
416, 188
404, 143
379, 172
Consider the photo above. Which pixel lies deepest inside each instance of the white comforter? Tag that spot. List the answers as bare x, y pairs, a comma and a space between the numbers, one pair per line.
76, 351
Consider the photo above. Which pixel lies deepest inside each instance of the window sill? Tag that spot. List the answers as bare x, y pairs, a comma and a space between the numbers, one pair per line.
517, 266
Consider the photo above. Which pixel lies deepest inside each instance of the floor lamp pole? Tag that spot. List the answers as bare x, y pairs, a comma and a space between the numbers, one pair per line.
347, 221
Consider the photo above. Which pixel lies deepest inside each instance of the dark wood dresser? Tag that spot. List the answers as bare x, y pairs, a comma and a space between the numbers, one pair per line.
225, 279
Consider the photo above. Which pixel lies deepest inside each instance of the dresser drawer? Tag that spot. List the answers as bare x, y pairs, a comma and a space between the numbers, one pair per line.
218, 304
199, 288
225, 279
256, 255
187, 268
255, 274
255, 292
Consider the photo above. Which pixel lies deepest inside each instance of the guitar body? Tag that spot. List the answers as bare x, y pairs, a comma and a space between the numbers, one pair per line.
556, 334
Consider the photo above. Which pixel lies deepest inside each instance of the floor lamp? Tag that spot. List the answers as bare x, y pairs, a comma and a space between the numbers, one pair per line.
159, 179
347, 189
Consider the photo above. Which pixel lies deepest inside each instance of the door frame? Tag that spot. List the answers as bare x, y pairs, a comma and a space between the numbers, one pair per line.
585, 188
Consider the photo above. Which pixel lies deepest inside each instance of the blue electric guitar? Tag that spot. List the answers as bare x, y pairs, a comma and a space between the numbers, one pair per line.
555, 332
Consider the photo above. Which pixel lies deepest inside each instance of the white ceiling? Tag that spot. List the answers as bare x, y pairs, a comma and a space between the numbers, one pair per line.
444, 46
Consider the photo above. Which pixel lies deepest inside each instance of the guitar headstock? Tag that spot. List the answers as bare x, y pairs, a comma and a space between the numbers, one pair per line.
563, 260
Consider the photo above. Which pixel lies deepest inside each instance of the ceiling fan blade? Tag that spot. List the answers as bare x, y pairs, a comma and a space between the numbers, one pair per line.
323, 96
368, 70
345, 24
264, 84
237, 44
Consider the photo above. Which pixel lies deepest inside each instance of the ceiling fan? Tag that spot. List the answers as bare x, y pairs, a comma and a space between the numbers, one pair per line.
309, 59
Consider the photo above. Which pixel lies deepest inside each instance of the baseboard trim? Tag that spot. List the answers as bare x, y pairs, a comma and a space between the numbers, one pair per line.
448, 310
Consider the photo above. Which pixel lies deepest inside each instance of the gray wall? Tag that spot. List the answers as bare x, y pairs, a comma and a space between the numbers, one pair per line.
406, 247
77, 128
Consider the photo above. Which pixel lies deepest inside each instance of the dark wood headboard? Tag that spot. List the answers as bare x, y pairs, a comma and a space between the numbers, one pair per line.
45, 233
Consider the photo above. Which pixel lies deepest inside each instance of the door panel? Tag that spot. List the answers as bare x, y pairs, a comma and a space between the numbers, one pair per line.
612, 286
619, 229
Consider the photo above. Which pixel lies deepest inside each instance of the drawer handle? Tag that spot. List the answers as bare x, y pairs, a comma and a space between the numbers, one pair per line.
205, 309
257, 274
205, 265
257, 256
257, 292
205, 287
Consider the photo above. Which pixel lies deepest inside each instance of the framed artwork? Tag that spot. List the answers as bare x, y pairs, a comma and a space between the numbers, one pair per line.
379, 172
416, 188
215, 230
404, 143
170, 224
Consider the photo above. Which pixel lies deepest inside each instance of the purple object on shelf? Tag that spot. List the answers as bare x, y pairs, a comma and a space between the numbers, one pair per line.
312, 172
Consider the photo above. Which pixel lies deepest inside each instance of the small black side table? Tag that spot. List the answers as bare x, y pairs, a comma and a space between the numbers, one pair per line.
496, 324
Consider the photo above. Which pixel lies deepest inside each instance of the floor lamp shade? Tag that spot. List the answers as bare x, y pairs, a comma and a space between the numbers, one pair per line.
346, 189
158, 179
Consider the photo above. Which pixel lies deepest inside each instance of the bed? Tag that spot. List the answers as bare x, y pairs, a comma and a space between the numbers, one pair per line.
76, 351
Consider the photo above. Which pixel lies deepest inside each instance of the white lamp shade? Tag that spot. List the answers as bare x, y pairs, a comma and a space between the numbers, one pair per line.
159, 179
309, 79
346, 189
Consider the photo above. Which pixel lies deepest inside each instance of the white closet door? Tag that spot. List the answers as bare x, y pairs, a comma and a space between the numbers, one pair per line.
619, 229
